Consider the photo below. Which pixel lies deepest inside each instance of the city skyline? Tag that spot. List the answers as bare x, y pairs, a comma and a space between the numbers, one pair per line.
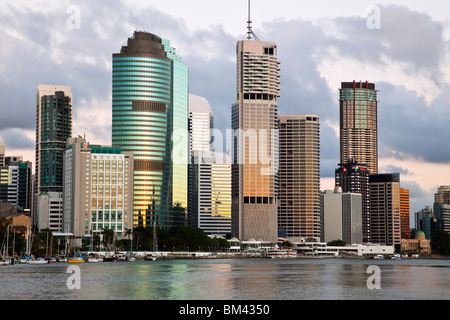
405, 58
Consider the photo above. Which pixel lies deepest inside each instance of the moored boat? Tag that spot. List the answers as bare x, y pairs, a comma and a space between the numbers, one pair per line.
378, 256
76, 259
38, 261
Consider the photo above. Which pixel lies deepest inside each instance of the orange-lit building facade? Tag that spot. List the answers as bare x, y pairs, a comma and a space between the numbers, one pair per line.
404, 214
255, 141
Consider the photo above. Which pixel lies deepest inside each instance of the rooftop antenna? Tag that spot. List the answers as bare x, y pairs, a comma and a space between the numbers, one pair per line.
249, 26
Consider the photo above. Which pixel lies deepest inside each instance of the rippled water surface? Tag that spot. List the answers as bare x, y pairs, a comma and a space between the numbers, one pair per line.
206, 279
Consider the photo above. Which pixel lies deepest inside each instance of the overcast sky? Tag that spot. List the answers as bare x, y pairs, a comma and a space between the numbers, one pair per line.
401, 46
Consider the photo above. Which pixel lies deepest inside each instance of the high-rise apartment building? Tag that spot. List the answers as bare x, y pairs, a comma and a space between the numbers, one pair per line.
353, 177
255, 141
385, 208
145, 82
404, 214
299, 177
358, 124
53, 128
98, 190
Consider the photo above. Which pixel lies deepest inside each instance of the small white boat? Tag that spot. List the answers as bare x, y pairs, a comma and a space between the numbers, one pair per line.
395, 256
38, 261
5, 262
92, 259
379, 256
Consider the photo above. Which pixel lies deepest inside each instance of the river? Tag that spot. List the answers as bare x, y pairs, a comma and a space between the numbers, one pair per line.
230, 279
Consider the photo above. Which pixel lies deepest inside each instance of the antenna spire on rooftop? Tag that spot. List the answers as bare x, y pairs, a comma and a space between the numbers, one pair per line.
249, 26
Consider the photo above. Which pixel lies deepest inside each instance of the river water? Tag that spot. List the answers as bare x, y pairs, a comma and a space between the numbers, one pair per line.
230, 279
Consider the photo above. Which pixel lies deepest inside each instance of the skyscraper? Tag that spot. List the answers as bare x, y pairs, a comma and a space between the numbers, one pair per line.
179, 126
53, 128
299, 177
358, 124
144, 85
255, 141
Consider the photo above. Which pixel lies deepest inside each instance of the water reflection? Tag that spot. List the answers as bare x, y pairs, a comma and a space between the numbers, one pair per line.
229, 280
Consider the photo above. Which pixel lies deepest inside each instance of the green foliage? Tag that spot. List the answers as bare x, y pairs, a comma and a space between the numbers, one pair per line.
176, 239
337, 243
440, 242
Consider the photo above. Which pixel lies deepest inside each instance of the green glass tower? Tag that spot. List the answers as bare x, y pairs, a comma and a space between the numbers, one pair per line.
143, 106
180, 127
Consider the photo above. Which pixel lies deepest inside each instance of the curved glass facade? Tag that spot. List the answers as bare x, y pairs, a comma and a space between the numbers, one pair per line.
142, 122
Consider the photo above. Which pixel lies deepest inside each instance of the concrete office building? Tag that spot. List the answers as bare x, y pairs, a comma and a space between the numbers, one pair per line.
98, 190
342, 216
384, 190
358, 124
16, 183
51, 203
299, 177
210, 174
353, 177
53, 128
211, 194
255, 141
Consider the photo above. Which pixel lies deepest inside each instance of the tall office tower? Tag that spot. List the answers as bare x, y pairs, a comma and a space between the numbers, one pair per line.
358, 124
180, 126
441, 207
53, 128
299, 177
342, 216
404, 214
144, 84
255, 141
98, 190
385, 208
353, 177
420, 215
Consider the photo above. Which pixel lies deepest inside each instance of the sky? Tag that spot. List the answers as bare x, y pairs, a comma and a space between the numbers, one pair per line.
401, 46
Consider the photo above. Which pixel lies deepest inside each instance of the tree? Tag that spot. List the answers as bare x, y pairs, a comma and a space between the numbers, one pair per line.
336, 243
440, 242
108, 237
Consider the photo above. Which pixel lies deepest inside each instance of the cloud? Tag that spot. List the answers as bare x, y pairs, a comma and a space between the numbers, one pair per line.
409, 128
405, 58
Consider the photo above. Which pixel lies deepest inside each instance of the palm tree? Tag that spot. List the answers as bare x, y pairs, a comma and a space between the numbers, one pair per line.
108, 236
128, 233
